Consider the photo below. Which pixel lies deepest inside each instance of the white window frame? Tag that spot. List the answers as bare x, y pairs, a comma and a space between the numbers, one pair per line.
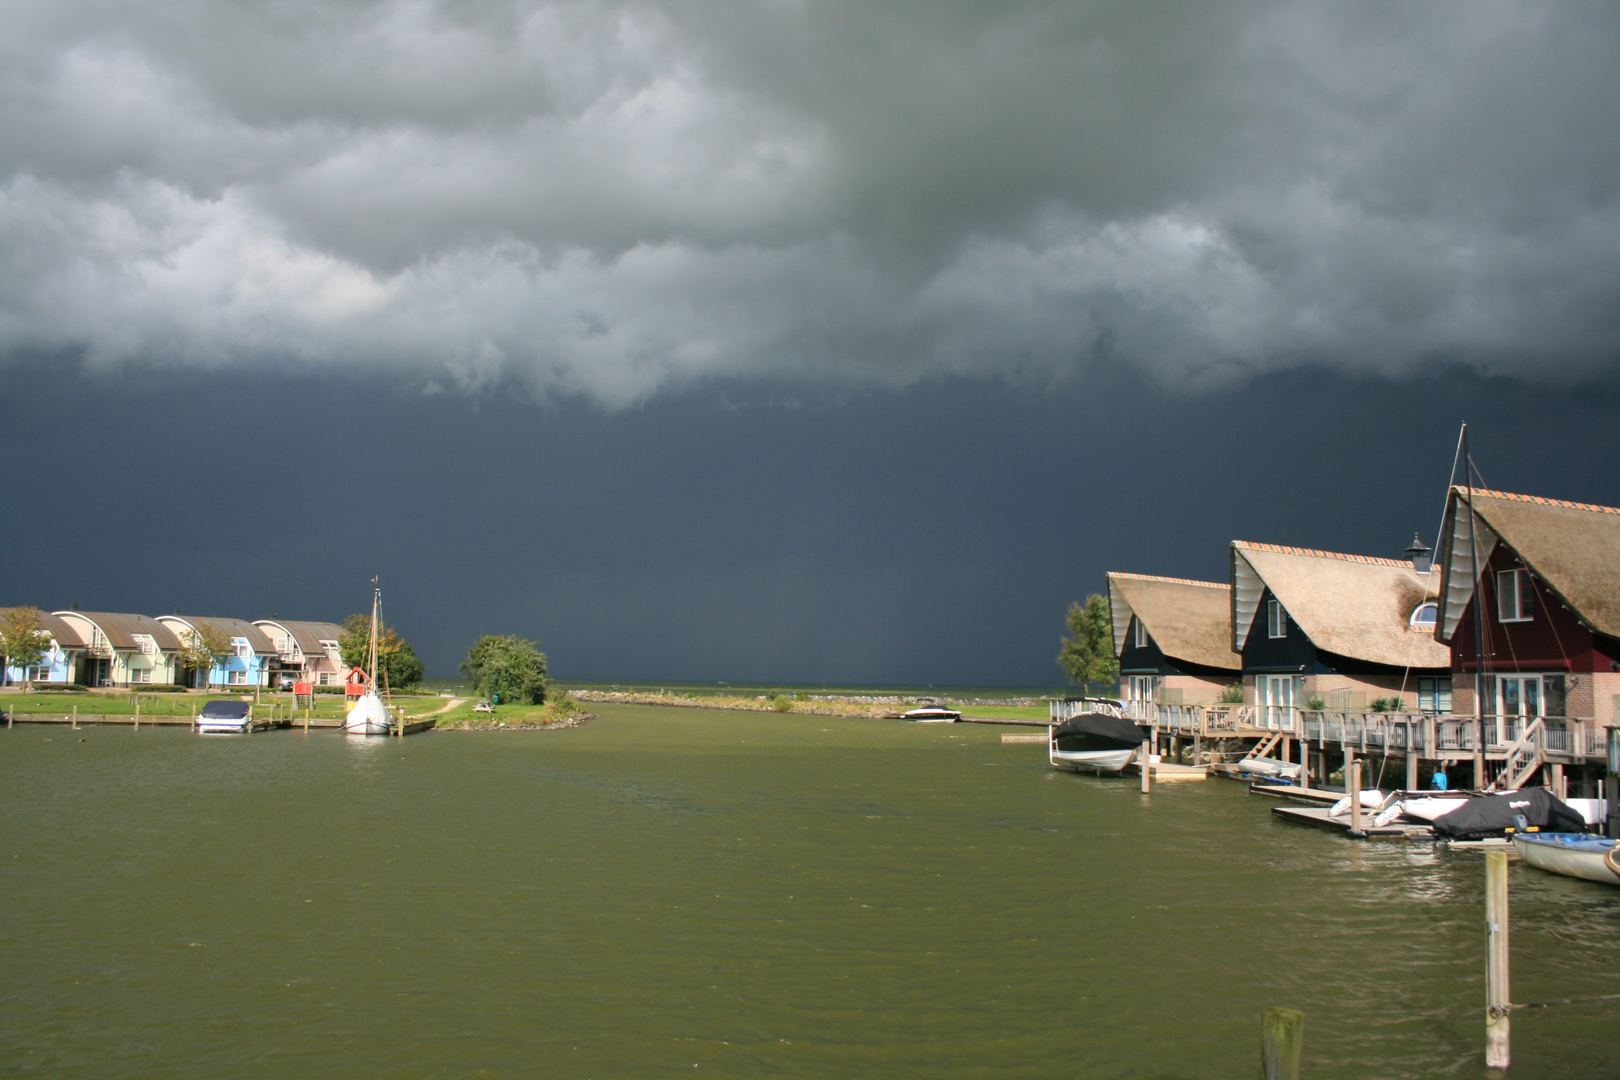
1279, 698
1510, 600
1425, 624
333, 651
1141, 636
240, 647
140, 675
238, 678
323, 678
1276, 620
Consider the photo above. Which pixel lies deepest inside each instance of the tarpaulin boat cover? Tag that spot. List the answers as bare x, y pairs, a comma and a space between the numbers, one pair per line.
1103, 726
1492, 813
225, 710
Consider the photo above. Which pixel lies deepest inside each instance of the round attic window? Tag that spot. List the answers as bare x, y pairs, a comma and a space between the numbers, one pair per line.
1423, 618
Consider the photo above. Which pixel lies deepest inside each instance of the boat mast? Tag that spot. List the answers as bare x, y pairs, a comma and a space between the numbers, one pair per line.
376, 599
1479, 593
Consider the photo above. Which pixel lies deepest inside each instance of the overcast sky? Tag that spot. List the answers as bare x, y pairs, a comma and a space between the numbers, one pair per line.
783, 299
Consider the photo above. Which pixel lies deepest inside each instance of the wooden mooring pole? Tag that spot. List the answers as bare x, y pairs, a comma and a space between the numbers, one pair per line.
1498, 1049
1352, 783
1147, 766
1282, 1041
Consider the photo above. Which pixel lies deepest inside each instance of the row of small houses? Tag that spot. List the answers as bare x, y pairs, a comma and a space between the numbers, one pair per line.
98, 648
1516, 620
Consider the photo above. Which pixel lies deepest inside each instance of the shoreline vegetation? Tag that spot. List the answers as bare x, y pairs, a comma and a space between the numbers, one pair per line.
855, 706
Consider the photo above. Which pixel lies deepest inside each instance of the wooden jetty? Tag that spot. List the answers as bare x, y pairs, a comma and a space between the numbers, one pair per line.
1318, 816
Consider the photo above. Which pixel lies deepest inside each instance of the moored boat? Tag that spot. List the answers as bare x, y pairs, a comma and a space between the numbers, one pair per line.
1571, 854
1094, 742
369, 716
224, 716
932, 714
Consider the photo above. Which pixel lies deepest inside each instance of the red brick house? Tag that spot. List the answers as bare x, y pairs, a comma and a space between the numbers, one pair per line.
1540, 634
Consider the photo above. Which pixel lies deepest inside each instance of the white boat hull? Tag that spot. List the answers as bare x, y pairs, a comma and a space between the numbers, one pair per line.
224, 727
1584, 861
1102, 761
368, 717
1427, 809
1284, 770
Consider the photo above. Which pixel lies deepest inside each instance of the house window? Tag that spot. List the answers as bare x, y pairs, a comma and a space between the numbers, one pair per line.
239, 678
1424, 617
1141, 635
1515, 596
1276, 620
331, 648
1434, 695
140, 675
324, 679
38, 674
239, 646
283, 645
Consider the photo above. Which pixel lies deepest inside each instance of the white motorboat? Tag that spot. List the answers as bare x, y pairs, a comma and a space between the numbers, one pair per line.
1571, 854
932, 714
1429, 807
1095, 742
225, 716
369, 716
1269, 767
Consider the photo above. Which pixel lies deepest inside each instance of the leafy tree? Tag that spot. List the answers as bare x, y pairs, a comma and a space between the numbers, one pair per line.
1088, 657
508, 667
22, 639
202, 646
395, 656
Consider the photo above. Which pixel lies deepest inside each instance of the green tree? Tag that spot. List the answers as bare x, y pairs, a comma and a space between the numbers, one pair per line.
398, 660
202, 646
1088, 657
23, 641
507, 667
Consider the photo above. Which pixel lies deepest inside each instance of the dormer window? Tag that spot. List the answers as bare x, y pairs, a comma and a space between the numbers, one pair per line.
1141, 639
1515, 596
239, 646
1276, 620
332, 651
1424, 617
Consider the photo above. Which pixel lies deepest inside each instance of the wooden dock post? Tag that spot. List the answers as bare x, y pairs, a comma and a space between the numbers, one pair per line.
1147, 766
1411, 767
1352, 783
137, 718
1282, 1042
1498, 1048
75, 718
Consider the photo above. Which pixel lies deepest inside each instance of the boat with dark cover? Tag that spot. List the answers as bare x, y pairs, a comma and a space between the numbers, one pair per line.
1094, 742
1488, 815
224, 716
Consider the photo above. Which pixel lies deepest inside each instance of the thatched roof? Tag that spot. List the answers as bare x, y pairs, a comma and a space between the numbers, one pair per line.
308, 635
64, 635
1188, 620
236, 628
120, 629
1574, 548
1351, 605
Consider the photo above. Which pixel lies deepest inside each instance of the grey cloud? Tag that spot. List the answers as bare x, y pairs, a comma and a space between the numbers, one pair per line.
610, 199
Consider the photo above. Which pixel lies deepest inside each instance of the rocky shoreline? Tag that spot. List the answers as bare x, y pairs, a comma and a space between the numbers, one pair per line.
875, 708
553, 725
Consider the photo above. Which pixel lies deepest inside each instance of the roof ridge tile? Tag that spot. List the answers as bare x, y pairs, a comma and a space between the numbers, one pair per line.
1283, 549
1169, 580
1539, 499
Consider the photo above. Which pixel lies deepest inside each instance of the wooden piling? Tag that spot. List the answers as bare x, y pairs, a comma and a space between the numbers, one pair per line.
1352, 782
1147, 766
1411, 771
137, 718
75, 718
1282, 1042
1498, 1049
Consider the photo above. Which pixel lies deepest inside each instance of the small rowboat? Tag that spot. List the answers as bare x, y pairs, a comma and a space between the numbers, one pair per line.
932, 714
1571, 854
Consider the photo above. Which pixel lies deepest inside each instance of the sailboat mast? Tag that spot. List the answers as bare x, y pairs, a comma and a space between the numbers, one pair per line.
1479, 593
376, 599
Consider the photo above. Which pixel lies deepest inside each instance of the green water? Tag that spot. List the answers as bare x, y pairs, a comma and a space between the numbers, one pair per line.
673, 892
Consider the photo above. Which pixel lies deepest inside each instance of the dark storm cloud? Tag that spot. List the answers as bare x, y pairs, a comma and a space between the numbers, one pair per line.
613, 199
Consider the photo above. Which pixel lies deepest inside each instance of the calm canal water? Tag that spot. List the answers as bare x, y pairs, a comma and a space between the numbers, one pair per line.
669, 892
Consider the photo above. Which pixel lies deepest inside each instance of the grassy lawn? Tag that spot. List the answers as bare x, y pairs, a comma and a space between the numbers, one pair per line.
121, 703
1007, 712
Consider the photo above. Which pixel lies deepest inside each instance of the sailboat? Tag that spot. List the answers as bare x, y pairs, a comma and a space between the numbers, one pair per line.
369, 715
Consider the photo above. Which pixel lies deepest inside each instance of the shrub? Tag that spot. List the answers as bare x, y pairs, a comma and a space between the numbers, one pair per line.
1316, 704
158, 688
802, 695
1385, 705
61, 688
1231, 694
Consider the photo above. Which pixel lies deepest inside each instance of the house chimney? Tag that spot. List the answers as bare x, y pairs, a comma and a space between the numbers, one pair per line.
1419, 554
